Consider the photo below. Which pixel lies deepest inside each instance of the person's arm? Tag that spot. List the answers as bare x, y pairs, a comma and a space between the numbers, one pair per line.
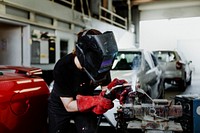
69, 104
96, 104
72, 106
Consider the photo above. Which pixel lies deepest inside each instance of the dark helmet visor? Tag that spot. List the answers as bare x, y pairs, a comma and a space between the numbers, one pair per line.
100, 55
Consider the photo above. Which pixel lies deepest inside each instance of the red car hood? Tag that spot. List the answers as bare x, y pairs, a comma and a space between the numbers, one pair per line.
23, 97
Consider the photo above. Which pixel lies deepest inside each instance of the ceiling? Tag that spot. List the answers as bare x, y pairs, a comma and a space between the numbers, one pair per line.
155, 4
138, 2
159, 9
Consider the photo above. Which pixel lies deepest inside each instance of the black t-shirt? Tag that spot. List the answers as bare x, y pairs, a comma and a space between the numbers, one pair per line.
70, 81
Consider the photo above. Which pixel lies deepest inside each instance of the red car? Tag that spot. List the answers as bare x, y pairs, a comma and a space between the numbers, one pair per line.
23, 100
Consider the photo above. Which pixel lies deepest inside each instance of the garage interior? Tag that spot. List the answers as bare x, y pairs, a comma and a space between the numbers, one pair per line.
150, 24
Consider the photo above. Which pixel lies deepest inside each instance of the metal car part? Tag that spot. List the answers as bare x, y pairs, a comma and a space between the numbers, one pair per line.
156, 116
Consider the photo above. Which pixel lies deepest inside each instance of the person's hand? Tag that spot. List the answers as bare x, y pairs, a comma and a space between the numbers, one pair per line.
103, 107
115, 92
105, 103
99, 110
124, 94
89, 103
116, 82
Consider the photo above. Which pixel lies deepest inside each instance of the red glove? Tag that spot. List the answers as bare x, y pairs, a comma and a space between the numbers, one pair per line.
100, 110
97, 104
115, 93
116, 82
124, 94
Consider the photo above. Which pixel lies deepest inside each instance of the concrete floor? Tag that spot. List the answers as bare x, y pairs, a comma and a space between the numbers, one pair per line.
194, 88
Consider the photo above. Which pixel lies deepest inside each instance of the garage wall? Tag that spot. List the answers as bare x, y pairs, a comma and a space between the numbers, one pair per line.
10, 45
125, 39
70, 38
190, 48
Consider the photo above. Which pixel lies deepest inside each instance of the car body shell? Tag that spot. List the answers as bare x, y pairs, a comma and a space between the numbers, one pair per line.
145, 74
143, 71
176, 69
23, 100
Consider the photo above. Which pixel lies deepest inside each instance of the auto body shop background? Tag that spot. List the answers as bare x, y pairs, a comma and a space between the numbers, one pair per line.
172, 25
182, 34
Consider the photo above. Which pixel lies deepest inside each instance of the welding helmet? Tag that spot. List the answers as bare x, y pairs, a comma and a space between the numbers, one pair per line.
96, 53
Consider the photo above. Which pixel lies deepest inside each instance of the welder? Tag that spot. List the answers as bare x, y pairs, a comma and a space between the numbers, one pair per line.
76, 75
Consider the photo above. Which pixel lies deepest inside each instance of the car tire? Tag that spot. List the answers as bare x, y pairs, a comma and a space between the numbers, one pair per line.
182, 85
162, 89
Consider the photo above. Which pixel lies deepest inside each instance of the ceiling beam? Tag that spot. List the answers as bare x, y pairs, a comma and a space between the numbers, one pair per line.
138, 2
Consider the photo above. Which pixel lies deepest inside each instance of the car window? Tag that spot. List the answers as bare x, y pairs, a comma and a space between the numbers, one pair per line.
136, 63
127, 60
165, 56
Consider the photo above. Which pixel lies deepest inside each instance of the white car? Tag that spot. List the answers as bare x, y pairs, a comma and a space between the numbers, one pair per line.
176, 69
140, 68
